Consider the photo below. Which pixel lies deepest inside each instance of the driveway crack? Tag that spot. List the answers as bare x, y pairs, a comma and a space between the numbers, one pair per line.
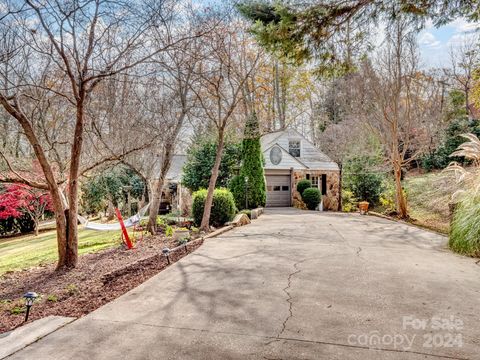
358, 251
289, 297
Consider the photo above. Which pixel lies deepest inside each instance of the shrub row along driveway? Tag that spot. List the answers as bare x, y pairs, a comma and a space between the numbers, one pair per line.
292, 285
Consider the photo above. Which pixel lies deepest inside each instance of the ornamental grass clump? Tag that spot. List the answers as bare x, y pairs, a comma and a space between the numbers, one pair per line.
465, 225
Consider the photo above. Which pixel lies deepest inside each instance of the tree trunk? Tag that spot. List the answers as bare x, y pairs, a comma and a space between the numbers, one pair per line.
312, 121
61, 225
144, 200
155, 202
205, 225
467, 101
283, 89
110, 210
278, 102
58, 204
401, 201
272, 116
157, 190
71, 256
36, 226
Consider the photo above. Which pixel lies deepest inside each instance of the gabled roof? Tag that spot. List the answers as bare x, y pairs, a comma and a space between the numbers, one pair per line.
286, 153
268, 139
310, 157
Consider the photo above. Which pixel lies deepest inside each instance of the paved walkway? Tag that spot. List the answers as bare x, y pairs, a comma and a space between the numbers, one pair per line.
292, 285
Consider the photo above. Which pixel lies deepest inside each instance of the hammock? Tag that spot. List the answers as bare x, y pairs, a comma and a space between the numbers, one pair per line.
131, 221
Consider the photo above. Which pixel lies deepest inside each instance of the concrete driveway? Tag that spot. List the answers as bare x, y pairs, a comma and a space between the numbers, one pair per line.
292, 285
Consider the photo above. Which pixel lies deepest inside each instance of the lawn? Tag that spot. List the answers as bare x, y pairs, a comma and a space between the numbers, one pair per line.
26, 251
428, 198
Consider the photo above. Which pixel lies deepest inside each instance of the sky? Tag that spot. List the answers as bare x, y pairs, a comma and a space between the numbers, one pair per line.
435, 43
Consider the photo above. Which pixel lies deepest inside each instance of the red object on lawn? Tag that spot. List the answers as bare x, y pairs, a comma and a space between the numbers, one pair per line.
124, 229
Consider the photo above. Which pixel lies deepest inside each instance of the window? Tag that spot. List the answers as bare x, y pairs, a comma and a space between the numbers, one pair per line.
294, 148
315, 181
276, 188
285, 188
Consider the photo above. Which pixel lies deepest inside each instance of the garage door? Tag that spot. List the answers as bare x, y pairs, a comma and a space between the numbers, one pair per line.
278, 190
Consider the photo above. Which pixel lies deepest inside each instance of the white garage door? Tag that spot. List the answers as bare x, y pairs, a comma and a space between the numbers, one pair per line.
278, 190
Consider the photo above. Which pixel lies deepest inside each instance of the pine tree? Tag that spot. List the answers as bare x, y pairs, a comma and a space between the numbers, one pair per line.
252, 164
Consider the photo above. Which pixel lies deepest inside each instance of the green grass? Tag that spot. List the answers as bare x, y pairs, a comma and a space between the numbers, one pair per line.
26, 251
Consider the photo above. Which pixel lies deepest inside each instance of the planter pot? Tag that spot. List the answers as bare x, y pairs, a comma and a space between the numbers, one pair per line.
363, 206
181, 234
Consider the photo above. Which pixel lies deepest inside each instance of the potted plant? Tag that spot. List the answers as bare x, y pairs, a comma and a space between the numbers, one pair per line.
181, 233
363, 206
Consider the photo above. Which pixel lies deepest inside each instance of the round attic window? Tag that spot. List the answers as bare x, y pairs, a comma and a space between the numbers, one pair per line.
275, 155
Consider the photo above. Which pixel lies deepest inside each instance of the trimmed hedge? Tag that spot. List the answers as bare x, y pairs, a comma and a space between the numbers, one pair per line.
303, 185
311, 197
223, 207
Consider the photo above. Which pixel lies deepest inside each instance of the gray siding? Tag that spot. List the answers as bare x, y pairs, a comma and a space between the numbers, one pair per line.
310, 156
287, 161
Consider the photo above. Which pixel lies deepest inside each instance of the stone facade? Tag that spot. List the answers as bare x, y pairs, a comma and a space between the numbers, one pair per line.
185, 201
331, 200
288, 153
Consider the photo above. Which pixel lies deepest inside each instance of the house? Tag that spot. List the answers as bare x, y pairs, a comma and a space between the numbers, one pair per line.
174, 195
289, 158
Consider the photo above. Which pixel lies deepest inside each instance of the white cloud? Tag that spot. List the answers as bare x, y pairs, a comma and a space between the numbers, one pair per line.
435, 44
463, 26
427, 39
462, 39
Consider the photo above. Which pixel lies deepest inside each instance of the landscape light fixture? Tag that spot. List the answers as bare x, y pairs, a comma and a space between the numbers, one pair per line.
29, 300
184, 241
166, 253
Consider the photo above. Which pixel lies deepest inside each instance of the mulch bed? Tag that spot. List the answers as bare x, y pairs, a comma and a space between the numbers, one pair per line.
98, 279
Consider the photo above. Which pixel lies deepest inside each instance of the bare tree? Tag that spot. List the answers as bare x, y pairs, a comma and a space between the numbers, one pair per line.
119, 128
280, 92
75, 45
171, 105
222, 77
397, 101
465, 60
